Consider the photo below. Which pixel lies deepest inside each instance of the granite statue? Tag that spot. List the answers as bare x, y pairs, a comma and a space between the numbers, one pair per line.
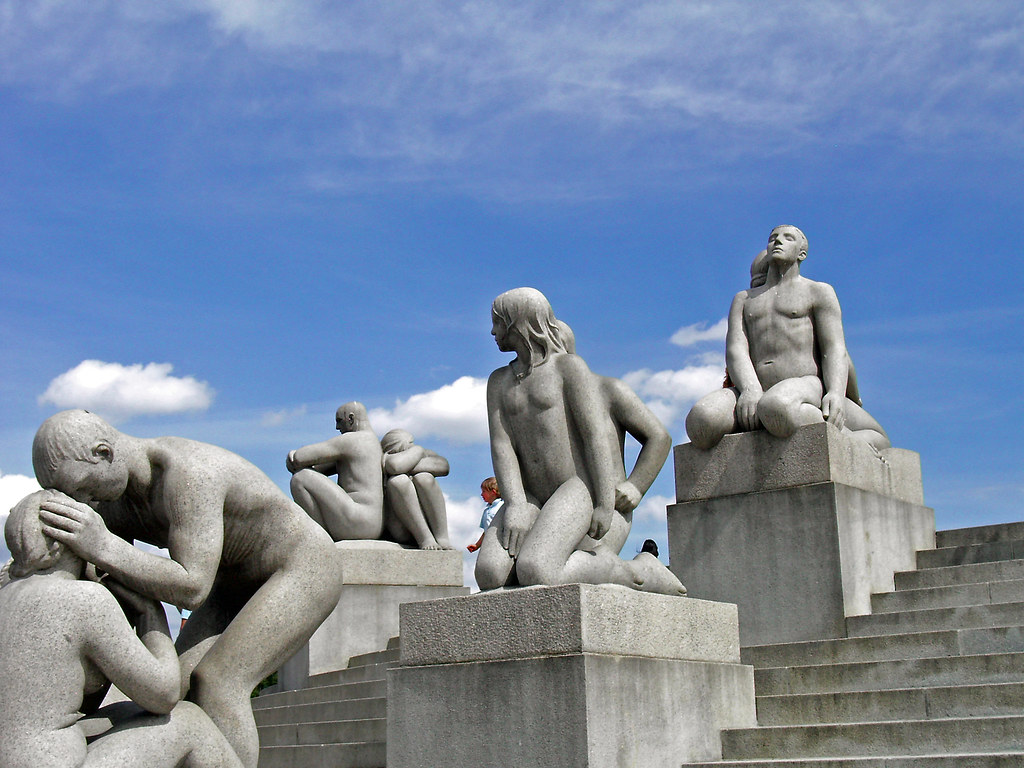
352, 507
786, 357
257, 573
553, 445
63, 641
414, 506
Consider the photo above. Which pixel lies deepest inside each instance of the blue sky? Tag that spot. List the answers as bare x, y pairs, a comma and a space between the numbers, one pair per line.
223, 218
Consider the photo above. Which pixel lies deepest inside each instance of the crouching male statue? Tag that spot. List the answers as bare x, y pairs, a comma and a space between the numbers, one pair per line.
786, 357
259, 575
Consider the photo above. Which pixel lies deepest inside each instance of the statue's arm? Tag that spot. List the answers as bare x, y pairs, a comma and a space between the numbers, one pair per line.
828, 326
143, 663
655, 443
587, 410
194, 507
432, 462
322, 457
520, 514
403, 462
737, 350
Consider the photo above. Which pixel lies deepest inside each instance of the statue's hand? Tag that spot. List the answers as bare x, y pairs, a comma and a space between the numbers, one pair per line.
627, 497
131, 601
833, 408
601, 522
519, 519
76, 525
746, 410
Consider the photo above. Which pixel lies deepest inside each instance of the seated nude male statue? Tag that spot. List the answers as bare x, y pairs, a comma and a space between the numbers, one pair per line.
63, 641
352, 507
257, 573
786, 358
414, 508
554, 454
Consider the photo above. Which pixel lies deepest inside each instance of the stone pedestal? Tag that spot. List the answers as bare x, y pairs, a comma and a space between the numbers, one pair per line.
379, 576
799, 532
568, 676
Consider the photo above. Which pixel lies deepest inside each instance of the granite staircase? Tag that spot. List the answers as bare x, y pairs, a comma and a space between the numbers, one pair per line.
933, 678
338, 721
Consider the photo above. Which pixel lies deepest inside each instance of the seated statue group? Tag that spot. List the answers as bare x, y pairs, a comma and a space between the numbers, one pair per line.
384, 489
79, 606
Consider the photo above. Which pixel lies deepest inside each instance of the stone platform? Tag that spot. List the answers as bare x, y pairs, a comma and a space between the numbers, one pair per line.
798, 532
569, 676
379, 576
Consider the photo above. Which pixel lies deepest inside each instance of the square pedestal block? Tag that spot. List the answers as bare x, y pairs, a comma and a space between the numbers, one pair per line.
799, 558
379, 576
568, 676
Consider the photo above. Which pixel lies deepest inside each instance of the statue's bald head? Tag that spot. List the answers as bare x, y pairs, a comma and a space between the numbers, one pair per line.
68, 436
350, 416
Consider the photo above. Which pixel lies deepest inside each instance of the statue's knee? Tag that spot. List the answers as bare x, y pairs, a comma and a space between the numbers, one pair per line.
776, 413
702, 426
424, 480
535, 572
399, 483
487, 576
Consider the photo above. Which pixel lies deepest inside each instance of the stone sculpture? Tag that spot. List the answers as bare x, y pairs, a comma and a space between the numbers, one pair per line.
63, 641
786, 357
352, 507
259, 575
414, 508
553, 448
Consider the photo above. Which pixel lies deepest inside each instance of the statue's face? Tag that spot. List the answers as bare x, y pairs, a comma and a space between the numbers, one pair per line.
500, 332
85, 481
785, 245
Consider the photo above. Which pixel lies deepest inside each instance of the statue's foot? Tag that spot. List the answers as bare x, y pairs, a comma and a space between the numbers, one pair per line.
651, 575
430, 545
444, 544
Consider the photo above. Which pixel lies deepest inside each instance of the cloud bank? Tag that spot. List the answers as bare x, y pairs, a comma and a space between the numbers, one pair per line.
121, 391
456, 412
691, 335
671, 393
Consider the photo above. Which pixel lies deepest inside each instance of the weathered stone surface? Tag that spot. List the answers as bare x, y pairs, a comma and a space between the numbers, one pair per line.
797, 560
750, 462
574, 618
378, 577
575, 675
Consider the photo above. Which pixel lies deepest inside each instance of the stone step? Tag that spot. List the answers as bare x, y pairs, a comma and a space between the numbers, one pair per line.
972, 573
1002, 570
357, 674
899, 704
982, 534
877, 739
965, 554
950, 642
367, 755
330, 732
880, 675
353, 709
983, 593
934, 619
376, 657
365, 690
985, 760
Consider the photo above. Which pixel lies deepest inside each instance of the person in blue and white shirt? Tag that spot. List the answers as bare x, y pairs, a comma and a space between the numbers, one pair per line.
489, 492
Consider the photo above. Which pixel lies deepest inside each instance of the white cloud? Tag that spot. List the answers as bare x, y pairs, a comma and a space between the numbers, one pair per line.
421, 89
456, 412
670, 394
120, 391
689, 335
652, 509
283, 416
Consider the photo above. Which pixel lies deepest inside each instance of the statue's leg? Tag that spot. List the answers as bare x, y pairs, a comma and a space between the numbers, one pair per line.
337, 512
185, 737
405, 505
712, 418
563, 521
493, 562
791, 404
432, 502
204, 627
275, 622
863, 425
